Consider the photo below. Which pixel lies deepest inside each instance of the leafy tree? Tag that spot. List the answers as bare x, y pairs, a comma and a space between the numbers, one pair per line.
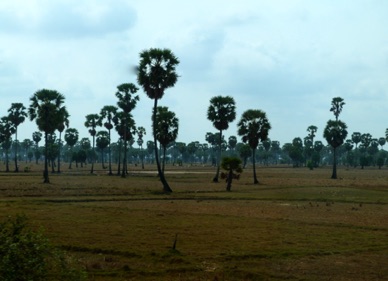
221, 112
107, 113
47, 109
127, 101
92, 121
192, 148
245, 152
27, 143
231, 164
253, 127
156, 73
71, 138
102, 141
17, 115
166, 128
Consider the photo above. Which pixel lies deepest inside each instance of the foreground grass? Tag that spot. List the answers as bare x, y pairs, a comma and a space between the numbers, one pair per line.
296, 225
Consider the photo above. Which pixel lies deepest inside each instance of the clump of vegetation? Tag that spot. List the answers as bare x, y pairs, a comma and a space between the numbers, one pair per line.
231, 164
28, 255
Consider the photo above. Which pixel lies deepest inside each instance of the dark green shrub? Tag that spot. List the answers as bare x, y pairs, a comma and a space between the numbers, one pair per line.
27, 255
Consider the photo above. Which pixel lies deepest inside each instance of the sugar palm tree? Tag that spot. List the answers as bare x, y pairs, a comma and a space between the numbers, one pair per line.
17, 114
7, 129
253, 128
127, 101
335, 134
141, 131
102, 142
221, 112
92, 121
125, 127
47, 108
37, 137
156, 73
107, 113
71, 138
166, 127
61, 127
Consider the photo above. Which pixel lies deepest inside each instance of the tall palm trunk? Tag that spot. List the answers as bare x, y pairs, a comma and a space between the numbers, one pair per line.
124, 171
16, 150
45, 172
255, 181
215, 179
93, 160
334, 175
59, 153
166, 187
110, 156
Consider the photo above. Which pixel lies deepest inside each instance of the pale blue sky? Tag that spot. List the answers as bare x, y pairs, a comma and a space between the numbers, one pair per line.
288, 58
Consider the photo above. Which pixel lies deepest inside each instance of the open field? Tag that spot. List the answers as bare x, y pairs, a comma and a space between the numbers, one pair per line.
296, 225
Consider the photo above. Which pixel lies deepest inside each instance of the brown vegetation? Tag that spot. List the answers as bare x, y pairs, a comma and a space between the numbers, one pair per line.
297, 225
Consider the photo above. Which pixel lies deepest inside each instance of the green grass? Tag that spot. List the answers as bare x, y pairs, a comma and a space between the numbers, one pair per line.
297, 225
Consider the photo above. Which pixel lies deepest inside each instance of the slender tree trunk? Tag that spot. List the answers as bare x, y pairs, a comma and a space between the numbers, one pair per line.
164, 158
255, 181
93, 160
71, 157
142, 157
119, 161
59, 153
6, 161
124, 172
334, 175
45, 172
215, 179
166, 187
229, 180
16, 151
110, 156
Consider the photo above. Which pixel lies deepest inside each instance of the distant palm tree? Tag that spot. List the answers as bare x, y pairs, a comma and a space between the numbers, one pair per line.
92, 121
102, 142
221, 111
17, 114
125, 127
335, 134
141, 131
127, 101
7, 129
166, 127
253, 128
107, 113
71, 138
156, 73
37, 137
47, 108
61, 127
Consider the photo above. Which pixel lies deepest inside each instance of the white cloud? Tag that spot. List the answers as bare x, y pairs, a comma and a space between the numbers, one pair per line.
288, 58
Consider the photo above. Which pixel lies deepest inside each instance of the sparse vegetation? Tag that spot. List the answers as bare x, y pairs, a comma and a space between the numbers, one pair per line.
297, 225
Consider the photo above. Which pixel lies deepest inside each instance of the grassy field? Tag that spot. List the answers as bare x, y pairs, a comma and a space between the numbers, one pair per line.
296, 225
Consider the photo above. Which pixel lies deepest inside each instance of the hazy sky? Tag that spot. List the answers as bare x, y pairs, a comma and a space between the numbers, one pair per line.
288, 58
